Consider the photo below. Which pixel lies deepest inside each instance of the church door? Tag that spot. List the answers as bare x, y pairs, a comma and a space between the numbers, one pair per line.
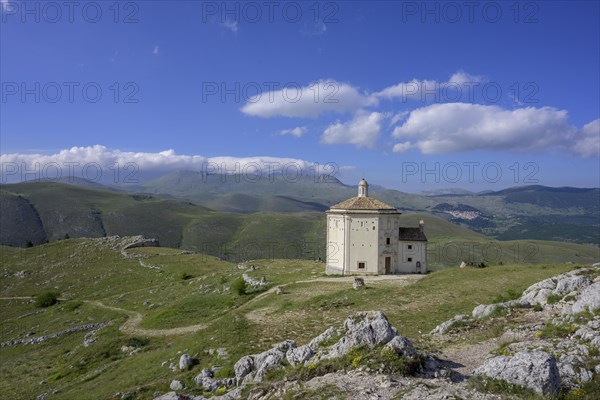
388, 265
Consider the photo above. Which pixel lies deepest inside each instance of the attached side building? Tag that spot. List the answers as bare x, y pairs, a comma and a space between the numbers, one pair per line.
364, 236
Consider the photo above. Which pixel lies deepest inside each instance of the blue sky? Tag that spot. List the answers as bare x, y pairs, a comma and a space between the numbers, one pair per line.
181, 76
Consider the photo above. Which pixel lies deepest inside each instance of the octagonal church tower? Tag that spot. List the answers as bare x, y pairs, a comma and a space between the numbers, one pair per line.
364, 236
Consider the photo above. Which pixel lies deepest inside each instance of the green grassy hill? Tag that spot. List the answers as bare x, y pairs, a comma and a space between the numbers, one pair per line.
51, 211
171, 291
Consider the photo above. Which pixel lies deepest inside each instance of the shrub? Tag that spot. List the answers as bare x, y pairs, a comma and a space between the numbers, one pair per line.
184, 276
72, 305
537, 308
489, 385
137, 342
239, 286
552, 330
46, 299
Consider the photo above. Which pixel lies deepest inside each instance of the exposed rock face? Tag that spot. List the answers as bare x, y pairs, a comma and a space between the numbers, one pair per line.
139, 241
252, 368
211, 384
535, 370
484, 310
185, 361
402, 346
253, 282
363, 329
445, 326
299, 355
589, 299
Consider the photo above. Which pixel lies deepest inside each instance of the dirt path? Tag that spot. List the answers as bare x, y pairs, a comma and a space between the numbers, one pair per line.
132, 325
134, 319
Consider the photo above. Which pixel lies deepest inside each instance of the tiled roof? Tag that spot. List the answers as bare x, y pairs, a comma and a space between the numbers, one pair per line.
362, 203
412, 234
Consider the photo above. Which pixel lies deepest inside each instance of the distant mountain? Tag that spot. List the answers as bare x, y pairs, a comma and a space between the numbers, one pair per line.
527, 212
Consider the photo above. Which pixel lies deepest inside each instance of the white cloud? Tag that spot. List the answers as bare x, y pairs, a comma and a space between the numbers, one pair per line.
587, 140
231, 25
402, 147
298, 131
329, 95
362, 131
164, 161
309, 101
155, 51
453, 127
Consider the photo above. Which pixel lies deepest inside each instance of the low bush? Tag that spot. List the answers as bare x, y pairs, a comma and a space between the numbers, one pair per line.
46, 299
239, 286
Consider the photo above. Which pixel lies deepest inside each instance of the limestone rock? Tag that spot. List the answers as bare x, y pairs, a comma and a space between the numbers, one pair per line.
484, 310
252, 368
445, 326
299, 355
536, 370
185, 361
363, 329
402, 346
176, 385
359, 283
327, 335
588, 299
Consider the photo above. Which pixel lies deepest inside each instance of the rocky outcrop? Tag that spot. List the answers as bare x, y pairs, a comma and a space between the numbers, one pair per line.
367, 329
363, 329
588, 300
254, 283
534, 370
40, 339
447, 325
139, 241
209, 383
253, 368
557, 329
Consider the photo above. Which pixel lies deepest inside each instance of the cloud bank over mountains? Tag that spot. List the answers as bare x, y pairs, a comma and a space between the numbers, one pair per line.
98, 163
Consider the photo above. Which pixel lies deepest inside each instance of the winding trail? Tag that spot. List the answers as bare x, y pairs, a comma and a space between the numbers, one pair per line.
132, 325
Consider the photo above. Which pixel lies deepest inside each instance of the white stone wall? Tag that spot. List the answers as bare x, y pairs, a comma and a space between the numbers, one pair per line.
363, 244
335, 244
410, 254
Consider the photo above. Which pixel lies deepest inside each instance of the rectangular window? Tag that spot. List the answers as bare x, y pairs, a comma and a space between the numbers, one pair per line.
361, 265
410, 246
387, 241
409, 259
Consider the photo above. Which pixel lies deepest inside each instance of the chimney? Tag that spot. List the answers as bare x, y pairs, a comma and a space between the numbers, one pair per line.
421, 225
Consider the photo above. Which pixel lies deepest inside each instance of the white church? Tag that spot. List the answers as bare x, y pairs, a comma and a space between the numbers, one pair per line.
364, 237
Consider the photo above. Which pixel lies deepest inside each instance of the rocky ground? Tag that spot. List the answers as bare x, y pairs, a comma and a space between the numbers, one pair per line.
550, 346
